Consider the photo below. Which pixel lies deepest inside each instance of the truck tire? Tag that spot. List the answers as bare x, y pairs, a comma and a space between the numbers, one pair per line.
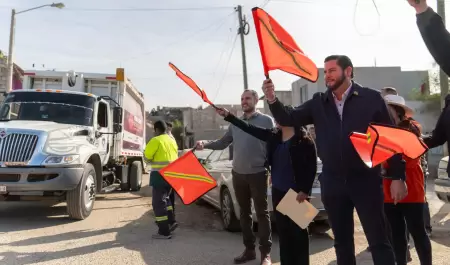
135, 176
80, 201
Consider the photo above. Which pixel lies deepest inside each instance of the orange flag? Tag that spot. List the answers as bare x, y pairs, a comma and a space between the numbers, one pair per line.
279, 50
191, 84
188, 178
381, 142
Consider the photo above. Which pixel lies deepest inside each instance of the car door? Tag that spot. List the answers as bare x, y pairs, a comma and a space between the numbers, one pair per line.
212, 165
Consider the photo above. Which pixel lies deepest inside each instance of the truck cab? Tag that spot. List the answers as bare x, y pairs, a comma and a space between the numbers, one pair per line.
66, 144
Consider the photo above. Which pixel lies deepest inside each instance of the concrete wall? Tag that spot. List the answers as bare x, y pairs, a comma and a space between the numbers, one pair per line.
284, 96
373, 77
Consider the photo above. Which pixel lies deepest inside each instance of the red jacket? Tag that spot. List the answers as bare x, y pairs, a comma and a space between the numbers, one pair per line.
414, 181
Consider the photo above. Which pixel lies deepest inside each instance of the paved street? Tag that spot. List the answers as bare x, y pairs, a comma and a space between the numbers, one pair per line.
119, 232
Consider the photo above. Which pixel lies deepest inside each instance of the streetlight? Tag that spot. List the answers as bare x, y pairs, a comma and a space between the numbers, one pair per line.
11, 40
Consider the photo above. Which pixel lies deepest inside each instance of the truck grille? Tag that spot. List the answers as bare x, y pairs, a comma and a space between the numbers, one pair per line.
17, 147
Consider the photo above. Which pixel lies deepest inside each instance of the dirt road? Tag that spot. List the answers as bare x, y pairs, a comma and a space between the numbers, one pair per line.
119, 232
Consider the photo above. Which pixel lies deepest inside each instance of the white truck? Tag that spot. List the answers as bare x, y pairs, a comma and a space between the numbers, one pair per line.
69, 136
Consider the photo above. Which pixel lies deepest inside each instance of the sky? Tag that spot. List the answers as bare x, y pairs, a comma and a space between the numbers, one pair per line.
101, 35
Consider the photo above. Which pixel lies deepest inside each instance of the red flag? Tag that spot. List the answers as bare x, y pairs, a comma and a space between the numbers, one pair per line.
279, 50
191, 84
188, 178
381, 142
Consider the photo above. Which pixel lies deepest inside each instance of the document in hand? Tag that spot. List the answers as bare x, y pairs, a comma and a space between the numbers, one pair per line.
301, 213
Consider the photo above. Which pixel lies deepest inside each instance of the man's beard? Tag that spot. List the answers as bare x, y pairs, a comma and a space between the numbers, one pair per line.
338, 83
248, 109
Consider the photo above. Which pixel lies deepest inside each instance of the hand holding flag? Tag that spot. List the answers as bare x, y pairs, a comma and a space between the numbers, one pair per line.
188, 178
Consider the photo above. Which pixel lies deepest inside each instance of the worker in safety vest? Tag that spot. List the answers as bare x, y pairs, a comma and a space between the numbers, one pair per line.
160, 151
172, 192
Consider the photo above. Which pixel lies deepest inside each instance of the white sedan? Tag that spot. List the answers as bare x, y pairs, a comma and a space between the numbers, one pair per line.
219, 164
442, 183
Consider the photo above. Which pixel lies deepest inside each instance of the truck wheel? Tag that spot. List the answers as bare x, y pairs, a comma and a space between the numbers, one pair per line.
80, 201
136, 176
229, 220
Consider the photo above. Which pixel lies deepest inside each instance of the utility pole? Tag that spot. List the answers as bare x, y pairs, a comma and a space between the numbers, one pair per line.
443, 78
242, 31
10, 52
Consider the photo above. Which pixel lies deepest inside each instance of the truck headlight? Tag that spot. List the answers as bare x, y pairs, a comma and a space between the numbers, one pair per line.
61, 160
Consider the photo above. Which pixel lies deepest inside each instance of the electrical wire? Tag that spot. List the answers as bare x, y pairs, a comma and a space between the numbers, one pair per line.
226, 67
223, 51
144, 9
378, 20
180, 40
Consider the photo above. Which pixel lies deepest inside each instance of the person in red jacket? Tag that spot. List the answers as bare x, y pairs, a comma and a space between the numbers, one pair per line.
407, 214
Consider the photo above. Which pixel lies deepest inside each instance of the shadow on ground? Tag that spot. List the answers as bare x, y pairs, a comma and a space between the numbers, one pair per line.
200, 239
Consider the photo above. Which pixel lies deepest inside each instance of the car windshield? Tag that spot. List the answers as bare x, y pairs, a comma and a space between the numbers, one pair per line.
56, 107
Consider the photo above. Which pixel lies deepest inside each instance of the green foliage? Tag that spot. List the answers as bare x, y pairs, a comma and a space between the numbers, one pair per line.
177, 132
432, 101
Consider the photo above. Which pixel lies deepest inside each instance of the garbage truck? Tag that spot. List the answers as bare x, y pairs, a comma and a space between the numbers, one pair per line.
70, 136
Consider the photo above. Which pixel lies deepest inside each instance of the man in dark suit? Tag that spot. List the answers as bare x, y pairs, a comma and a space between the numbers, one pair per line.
346, 182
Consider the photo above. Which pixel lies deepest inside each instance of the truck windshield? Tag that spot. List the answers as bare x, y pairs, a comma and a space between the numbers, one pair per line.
56, 107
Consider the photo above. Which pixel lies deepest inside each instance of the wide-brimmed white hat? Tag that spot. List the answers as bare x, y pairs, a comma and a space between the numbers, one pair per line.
400, 102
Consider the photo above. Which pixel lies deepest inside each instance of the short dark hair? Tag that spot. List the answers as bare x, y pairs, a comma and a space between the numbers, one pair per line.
253, 92
161, 126
169, 124
342, 60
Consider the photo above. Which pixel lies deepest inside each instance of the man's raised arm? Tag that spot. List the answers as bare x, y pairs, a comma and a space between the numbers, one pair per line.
299, 116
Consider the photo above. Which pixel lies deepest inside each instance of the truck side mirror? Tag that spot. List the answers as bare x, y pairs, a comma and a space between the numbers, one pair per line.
117, 128
4, 111
117, 115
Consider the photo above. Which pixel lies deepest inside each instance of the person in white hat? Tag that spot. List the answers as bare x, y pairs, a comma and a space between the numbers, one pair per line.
397, 108
407, 214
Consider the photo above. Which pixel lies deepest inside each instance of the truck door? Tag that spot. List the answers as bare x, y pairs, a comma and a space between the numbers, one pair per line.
104, 124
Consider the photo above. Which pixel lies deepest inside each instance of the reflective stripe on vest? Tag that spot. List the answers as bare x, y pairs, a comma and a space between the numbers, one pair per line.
156, 166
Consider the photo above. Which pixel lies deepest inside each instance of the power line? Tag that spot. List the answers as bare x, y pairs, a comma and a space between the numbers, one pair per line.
378, 19
182, 39
226, 67
137, 9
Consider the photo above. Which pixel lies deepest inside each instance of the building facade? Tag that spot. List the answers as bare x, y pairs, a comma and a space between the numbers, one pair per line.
406, 82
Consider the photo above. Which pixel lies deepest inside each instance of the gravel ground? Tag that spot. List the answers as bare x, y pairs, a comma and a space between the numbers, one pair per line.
119, 232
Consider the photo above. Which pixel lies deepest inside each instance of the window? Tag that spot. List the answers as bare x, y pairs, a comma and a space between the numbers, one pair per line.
214, 156
225, 156
102, 115
67, 108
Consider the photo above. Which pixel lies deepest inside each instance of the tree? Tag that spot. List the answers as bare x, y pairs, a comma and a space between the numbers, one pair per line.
177, 132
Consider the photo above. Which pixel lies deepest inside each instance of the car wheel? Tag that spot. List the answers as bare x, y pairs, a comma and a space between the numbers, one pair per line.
229, 220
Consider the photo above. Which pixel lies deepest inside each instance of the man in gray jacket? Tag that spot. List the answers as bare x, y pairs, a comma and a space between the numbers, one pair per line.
250, 177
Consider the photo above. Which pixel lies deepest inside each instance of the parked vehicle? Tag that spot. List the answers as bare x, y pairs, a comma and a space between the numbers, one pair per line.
66, 136
219, 165
442, 183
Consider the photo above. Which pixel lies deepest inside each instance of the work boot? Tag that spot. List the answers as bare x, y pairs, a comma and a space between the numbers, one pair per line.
265, 259
246, 256
173, 226
160, 236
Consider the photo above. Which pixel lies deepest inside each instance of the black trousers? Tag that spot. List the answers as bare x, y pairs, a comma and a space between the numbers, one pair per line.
162, 209
248, 187
340, 197
406, 217
294, 241
172, 201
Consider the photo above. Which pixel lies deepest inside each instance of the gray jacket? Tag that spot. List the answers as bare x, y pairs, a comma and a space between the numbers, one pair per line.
249, 153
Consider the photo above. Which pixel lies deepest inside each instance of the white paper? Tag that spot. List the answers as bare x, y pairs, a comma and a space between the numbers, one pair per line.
301, 213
